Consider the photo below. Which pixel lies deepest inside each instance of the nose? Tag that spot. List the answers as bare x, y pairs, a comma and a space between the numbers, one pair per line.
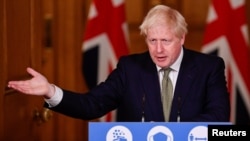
159, 46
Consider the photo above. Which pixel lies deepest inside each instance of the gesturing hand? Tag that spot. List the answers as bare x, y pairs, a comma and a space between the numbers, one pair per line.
37, 85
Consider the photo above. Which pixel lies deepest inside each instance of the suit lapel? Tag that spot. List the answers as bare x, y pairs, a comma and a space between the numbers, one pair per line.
184, 81
151, 87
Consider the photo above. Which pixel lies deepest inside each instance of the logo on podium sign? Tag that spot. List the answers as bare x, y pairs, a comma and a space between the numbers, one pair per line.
198, 133
160, 133
119, 133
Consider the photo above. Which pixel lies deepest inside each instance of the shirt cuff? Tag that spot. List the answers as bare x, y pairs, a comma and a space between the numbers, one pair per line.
56, 98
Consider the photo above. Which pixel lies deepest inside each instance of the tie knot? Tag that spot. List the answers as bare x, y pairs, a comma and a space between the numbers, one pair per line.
166, 71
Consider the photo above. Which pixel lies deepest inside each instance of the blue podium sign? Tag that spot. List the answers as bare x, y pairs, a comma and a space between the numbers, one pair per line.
149, 131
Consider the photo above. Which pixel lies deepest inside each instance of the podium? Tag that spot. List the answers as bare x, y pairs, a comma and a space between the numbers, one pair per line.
150, 131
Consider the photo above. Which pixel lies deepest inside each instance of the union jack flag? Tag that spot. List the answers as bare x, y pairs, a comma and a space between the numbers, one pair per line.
226, 35
105, 40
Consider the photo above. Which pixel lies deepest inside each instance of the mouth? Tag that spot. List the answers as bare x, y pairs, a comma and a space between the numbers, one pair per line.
160, 59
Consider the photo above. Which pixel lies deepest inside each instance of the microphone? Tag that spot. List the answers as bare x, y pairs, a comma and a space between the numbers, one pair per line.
179, 109
143, 107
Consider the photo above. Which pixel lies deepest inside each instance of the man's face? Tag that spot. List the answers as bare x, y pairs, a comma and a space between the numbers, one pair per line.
164, 47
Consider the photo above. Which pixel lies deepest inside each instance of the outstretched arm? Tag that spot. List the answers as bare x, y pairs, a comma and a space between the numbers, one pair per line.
37, 85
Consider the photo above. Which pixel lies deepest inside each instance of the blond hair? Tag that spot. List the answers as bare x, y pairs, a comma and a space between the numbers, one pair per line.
166, 15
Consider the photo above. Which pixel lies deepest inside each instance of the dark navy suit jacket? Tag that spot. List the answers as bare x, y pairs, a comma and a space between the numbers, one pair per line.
133, 89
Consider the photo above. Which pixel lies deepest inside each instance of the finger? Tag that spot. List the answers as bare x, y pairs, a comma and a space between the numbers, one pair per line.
32, 72
17, 86
12, 83
20, 85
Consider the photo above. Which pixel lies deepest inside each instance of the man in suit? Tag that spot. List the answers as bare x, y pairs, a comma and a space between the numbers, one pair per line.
134, 87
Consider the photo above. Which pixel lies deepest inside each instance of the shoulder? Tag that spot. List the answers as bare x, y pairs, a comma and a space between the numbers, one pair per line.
201, 57
137, 61
136, 58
